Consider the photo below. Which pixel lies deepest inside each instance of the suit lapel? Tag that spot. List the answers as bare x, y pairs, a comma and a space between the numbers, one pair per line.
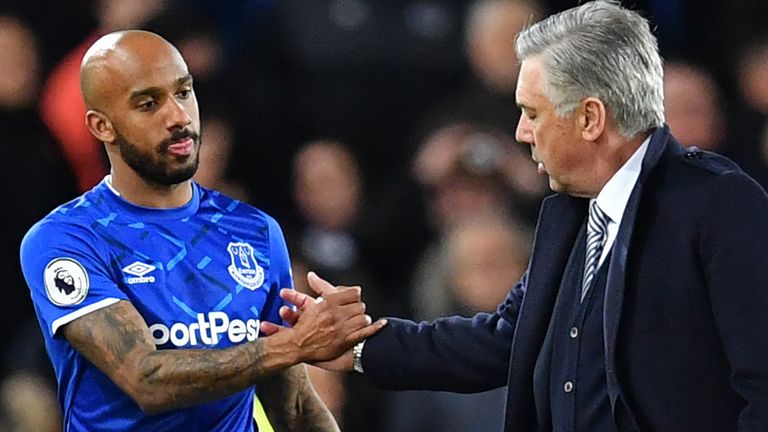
559, 222
616, 282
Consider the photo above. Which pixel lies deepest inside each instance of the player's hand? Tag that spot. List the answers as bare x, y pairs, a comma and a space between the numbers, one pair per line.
326, 327
291, 316
321, 286
287, 314
298, 299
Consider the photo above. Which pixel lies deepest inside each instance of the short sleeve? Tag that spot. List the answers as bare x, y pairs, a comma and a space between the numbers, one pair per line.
67, 271
281, 266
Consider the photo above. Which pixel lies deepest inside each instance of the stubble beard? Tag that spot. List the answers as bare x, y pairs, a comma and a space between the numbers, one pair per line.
154, 170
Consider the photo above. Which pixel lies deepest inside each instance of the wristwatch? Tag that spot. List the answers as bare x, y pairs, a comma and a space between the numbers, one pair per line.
357, 357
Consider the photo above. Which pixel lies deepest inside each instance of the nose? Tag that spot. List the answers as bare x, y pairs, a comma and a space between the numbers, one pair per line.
524, 132
177, 115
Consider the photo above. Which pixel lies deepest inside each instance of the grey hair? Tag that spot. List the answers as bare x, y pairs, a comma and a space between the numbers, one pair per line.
603, 50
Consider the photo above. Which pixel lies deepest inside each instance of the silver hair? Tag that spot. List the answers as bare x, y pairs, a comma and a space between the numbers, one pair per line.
603, 50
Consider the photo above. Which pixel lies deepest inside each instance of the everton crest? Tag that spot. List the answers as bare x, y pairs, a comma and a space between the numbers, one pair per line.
244, 268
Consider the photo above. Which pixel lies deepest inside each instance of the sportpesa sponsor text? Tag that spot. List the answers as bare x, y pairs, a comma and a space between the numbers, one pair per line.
207, 330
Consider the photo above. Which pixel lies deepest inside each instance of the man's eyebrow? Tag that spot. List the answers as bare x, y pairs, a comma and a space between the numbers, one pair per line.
184, 79
154, 91
149, 91
523, 106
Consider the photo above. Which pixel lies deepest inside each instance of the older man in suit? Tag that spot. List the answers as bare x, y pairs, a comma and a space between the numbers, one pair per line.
645, 303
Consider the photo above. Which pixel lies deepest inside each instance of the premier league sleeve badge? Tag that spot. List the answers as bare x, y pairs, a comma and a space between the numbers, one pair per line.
66, 282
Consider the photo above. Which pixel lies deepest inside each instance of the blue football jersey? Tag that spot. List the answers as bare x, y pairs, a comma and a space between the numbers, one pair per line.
202, 276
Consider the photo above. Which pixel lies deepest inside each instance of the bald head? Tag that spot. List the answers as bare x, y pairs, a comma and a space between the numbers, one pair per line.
112, 63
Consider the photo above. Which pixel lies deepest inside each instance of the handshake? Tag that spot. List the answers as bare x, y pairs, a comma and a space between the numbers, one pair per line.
322, 330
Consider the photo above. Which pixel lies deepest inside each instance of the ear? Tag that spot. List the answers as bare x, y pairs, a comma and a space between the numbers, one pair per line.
592, 119
100, 126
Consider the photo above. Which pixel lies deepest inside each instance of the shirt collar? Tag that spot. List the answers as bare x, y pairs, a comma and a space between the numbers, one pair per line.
614, 196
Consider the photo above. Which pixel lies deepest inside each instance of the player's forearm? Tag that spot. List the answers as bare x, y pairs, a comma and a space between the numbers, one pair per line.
117, 341
171, 379
160, 380
292, 404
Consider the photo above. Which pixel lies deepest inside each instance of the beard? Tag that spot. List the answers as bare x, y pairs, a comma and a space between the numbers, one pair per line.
154, 166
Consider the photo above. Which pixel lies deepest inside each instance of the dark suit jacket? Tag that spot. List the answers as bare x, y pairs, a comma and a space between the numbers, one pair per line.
685, 312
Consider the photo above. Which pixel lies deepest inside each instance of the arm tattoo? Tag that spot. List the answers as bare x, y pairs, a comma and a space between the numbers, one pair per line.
116, 339
292, 404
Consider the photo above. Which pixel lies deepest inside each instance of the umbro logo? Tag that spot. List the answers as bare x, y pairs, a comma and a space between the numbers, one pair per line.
139, 270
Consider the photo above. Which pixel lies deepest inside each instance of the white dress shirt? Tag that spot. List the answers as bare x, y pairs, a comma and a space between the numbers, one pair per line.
614, 196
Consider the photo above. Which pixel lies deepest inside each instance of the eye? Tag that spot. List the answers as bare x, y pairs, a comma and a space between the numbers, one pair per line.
184, 94
147, 105
527, 113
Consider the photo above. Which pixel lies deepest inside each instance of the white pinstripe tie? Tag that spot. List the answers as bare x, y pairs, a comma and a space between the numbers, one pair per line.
597, 230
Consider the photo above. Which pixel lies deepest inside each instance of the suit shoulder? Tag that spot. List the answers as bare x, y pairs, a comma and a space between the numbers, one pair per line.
714, 175
695, 178
709, 162
704, 168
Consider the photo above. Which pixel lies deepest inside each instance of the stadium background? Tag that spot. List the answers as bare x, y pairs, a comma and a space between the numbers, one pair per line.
380, 133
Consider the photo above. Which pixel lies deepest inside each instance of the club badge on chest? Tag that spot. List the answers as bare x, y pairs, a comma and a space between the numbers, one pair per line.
243, 268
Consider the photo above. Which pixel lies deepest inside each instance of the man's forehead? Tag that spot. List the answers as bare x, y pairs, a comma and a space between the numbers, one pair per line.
161, 74
530, 79
146, 60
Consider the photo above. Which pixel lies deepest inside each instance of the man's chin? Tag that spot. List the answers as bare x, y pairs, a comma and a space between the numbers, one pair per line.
184, 172
177, 176
568, 190
556, 186
181, 176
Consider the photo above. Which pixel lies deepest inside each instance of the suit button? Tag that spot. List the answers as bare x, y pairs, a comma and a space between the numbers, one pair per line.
693, 153
574, 332
568, 387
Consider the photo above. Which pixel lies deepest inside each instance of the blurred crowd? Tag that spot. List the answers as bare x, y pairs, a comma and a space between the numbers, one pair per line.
380, 133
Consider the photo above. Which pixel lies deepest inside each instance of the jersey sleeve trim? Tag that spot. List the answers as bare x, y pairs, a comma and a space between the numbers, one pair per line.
66, 319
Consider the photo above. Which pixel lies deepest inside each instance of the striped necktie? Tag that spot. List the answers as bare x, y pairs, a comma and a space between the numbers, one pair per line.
597, 233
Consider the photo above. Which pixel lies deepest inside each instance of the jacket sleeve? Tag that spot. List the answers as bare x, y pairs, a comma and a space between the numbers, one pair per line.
456, 354
734, 249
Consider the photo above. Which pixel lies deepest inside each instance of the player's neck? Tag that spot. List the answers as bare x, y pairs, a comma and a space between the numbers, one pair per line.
138, 191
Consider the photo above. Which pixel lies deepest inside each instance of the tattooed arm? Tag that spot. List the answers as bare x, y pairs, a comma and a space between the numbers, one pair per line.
117, 340
292, 404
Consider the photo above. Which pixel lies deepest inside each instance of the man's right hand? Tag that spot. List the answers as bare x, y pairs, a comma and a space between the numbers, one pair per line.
325, 329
